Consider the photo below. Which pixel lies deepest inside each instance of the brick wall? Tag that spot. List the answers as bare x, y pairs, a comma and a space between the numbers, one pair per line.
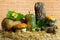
52, 7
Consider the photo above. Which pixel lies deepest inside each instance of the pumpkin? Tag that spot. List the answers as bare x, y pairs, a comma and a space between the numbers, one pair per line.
21, 27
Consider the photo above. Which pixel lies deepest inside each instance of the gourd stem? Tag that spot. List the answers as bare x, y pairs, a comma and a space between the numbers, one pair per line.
29, 12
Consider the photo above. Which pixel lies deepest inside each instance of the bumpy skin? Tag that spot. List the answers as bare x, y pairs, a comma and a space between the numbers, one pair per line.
51, 29
40, 13
39, 10
31, 22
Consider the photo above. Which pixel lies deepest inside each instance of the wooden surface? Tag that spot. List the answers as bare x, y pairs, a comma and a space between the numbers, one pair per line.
52, 7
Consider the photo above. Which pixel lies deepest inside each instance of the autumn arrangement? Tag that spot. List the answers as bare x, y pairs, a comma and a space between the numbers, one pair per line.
19, 22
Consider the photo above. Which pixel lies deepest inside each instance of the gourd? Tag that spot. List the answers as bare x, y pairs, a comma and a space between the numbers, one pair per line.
14, 16
7, 24
31, 22
39, 10
50, 20
41, 23
21, 27
40, 15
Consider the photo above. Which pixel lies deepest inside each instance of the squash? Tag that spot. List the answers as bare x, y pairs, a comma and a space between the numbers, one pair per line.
14, 16
41, 23
31, 22
21, 27
50, 20
7, 24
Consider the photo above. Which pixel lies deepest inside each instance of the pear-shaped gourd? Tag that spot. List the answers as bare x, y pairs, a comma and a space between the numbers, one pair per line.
7, 24
31, 22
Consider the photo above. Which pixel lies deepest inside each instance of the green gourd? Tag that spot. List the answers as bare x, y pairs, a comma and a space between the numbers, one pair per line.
41, 23
14, 16
31, 22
